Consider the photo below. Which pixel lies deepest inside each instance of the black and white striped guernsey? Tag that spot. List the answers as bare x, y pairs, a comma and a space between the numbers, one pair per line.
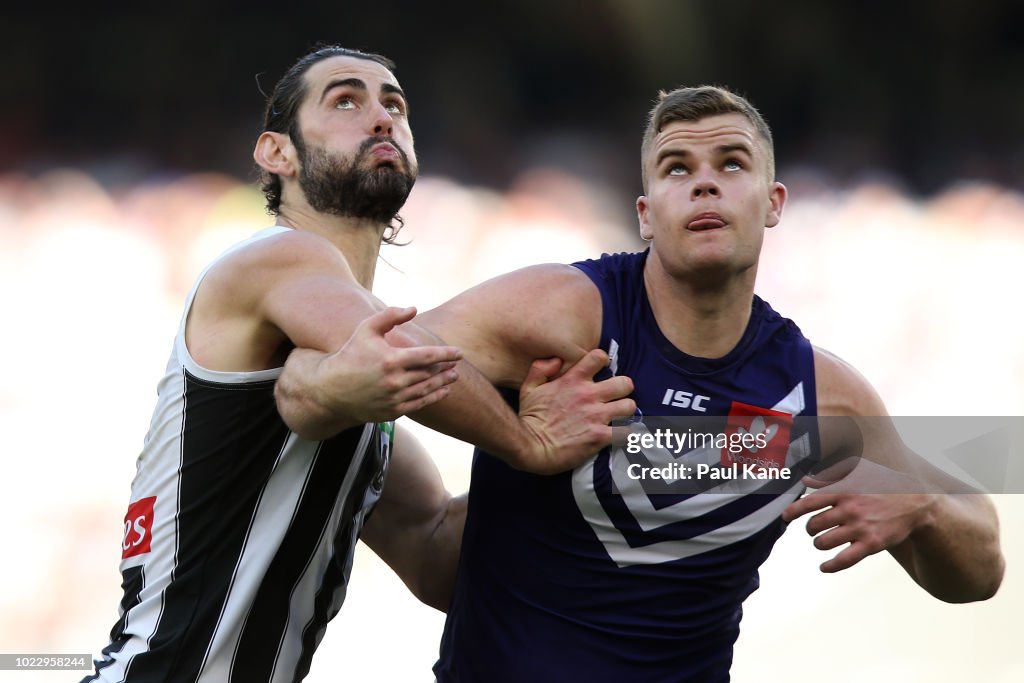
239, 535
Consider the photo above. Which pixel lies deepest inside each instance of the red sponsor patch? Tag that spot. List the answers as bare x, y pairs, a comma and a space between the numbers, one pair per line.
757, 436
138, 528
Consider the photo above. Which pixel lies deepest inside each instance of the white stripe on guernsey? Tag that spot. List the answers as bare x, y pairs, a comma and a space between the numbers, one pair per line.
667, 551
794, 402
303, 595
274, 513
298, 467
163, 480
649, 518
117, 670
639, 503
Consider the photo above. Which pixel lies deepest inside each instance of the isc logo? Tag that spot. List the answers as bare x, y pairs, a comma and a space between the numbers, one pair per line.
685, 399
138, 528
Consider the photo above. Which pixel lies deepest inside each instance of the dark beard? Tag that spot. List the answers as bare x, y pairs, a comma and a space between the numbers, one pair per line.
353, 187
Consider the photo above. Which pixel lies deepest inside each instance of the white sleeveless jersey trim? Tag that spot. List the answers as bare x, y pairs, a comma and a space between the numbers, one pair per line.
179, 341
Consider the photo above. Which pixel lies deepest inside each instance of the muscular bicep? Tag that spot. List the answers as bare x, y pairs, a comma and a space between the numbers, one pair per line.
851, 410
505, 323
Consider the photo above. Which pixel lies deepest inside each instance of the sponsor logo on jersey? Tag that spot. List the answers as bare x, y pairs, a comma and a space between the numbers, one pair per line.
766, 426
685, 399
138, 528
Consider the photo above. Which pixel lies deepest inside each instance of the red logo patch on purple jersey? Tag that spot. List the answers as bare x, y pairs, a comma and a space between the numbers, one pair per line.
763, 434
138, 528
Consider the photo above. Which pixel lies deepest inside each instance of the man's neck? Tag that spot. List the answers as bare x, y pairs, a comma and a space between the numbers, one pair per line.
701, 318
357, 239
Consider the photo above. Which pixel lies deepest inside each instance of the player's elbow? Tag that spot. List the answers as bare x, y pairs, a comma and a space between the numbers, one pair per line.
988, 565
989, 581
290, 413
980, 583
432, 593
430, 583
989, 589
299, 418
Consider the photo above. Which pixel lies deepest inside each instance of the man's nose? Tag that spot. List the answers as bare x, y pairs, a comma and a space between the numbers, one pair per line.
381, 122
704, 186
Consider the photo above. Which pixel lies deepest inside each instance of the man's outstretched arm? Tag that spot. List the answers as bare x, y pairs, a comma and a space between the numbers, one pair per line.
501, 325
946, 540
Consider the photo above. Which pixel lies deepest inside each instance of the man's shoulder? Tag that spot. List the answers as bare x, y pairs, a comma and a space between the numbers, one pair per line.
274, 250
279, 242
616, 275
842, 389
627, 261
763, 311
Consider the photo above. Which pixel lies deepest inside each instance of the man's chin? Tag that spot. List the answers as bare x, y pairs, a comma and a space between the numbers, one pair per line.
389, 173
385, 165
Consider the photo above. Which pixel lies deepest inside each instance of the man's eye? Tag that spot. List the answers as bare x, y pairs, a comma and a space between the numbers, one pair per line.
677, 169
344, 103
733, 165
394, 108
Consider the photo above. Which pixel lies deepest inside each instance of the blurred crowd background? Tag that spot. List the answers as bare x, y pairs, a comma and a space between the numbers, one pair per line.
125, 142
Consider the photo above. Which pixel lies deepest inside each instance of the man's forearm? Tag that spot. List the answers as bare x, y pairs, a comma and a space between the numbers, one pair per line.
475, 412
564, 418
561, 422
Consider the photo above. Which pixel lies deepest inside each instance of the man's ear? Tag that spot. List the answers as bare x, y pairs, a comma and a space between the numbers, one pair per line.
776, 202
275, 153
642, 208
